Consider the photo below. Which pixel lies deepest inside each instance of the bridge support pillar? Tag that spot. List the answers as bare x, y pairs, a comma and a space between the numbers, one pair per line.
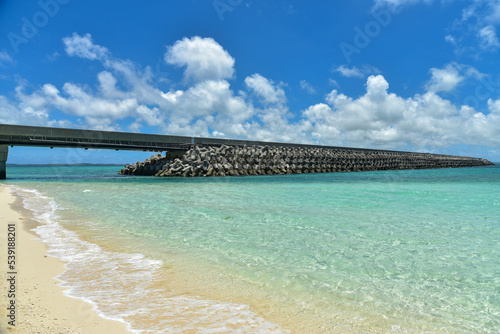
4, 151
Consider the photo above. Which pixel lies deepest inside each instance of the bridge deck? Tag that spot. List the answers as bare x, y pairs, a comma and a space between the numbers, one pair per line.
18, 135
21, 135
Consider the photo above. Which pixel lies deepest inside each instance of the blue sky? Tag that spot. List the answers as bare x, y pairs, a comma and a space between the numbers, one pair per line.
417, 75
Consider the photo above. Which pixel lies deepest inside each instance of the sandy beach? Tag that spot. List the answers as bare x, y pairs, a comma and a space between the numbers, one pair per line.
40, 304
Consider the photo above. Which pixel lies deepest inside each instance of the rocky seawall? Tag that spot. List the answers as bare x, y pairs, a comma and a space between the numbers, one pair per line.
271, 160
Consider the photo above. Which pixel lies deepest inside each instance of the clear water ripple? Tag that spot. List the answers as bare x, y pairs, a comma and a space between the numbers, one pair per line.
395, 251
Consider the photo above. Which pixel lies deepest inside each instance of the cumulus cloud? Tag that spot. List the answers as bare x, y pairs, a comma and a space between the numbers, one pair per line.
97, 111
12, 113
450, 77
374, 110
383, 119
445, 79
34, 113
125, 97
104, 106
265, 89
208, 103
83, 47
204, 59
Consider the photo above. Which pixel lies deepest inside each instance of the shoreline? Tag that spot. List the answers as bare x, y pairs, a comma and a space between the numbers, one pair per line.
41, 305
272, 315
51, 271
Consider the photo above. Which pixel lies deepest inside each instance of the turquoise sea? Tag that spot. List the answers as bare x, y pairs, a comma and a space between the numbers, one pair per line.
371, 252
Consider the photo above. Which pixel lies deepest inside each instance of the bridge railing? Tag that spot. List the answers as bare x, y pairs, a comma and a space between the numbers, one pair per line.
55, 137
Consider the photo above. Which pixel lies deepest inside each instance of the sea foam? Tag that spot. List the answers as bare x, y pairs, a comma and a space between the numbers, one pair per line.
119, 285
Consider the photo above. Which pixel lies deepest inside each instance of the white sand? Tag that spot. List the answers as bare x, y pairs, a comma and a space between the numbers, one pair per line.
41, 306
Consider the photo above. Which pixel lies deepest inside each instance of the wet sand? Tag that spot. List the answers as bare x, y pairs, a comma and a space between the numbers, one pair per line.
40, 304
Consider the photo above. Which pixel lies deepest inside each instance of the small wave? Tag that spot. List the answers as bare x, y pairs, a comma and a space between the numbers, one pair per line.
119, 286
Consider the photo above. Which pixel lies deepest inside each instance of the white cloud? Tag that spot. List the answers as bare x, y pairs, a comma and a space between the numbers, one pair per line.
450, 39
307, 87
350, 72
265, 89
321, 124
333, 82
445, 79
125, 96
385, 120
488, 38
450, 77
125, 91
355, 72
103, 107
82, 46
76, 101
477, 23
5, 58
207, 99
396, 4
372, 111
471, 33
204, 59
13, 112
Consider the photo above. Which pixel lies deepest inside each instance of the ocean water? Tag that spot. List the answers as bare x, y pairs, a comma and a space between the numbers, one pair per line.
370, 252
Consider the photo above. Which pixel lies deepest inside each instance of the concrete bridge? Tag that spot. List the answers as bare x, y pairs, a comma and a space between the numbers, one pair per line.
37, 136
19, 135
175, 146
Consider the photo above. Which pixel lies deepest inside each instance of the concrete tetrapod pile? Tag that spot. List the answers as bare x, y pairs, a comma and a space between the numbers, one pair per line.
271, 160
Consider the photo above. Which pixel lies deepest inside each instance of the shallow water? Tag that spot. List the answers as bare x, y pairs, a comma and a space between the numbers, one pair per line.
387, 251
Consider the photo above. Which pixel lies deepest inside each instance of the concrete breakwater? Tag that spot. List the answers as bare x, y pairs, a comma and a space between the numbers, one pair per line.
270, 160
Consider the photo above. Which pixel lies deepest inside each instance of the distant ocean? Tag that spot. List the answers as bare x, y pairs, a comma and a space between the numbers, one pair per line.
371, 252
